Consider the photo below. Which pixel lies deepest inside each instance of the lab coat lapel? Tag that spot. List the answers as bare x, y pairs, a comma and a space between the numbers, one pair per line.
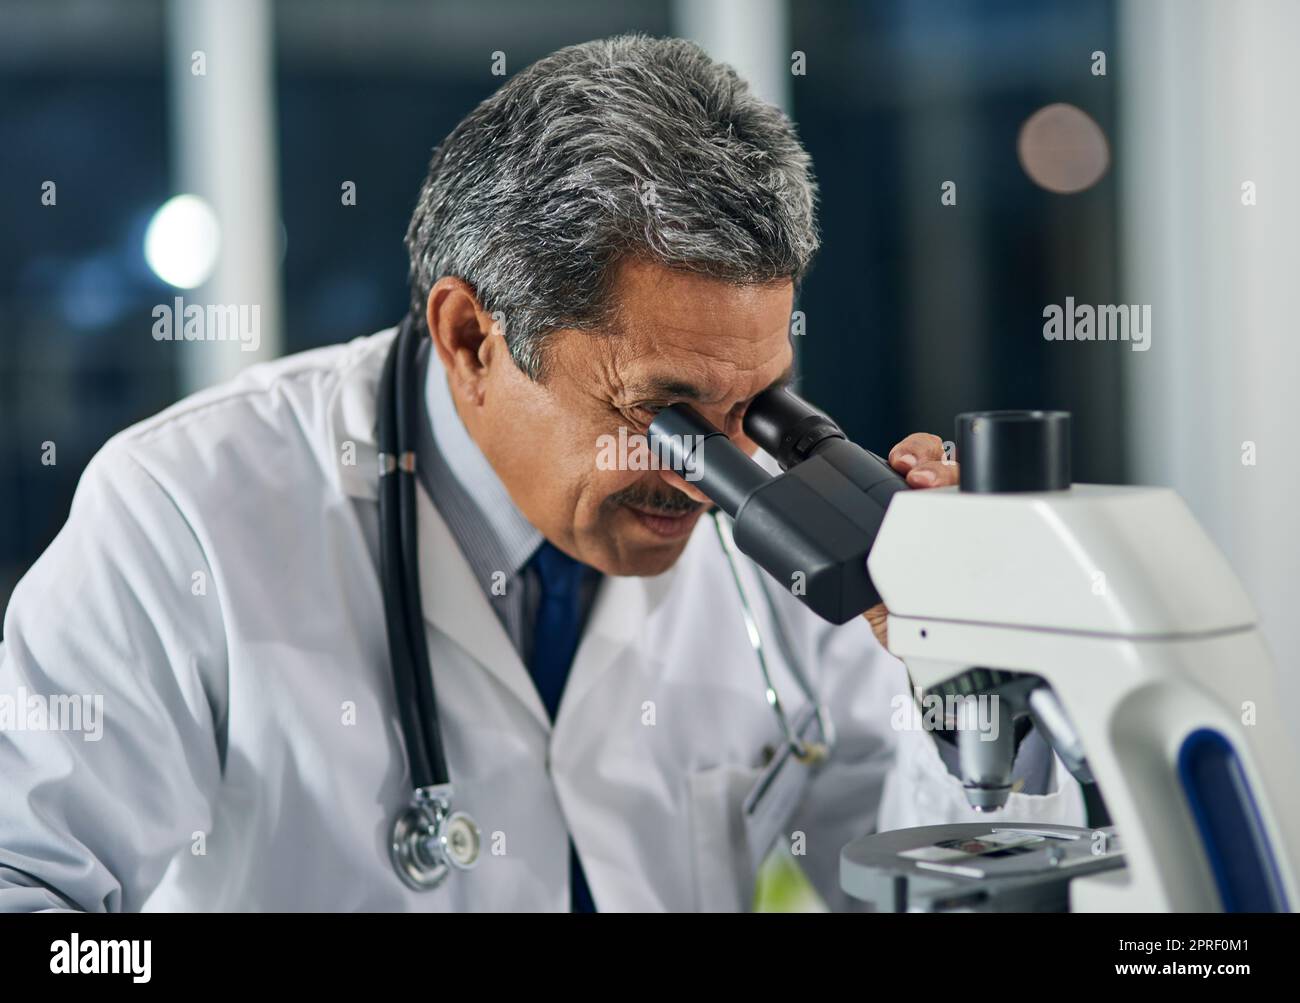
616, 623
454, 602
451, 598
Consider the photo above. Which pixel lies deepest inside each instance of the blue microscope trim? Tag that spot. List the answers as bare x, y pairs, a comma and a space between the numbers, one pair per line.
1227, 818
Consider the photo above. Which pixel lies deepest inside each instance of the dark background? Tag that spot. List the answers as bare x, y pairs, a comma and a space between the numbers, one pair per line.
915, 311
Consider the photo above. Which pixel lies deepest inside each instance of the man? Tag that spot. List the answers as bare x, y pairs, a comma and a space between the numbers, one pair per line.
621, 227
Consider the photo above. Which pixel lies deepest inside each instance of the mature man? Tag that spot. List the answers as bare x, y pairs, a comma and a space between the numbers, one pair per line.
620, 227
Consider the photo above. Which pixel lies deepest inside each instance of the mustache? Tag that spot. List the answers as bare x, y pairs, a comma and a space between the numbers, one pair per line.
672, 502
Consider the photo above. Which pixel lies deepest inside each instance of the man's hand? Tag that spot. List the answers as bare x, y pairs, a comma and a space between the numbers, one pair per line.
921, 460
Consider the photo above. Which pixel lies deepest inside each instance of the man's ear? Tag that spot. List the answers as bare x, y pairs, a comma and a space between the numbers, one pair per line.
460, 329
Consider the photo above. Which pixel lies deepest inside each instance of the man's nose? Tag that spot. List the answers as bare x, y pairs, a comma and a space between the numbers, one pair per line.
733, 423
676, 480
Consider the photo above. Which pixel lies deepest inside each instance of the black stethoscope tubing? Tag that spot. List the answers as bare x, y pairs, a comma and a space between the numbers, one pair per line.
398, 410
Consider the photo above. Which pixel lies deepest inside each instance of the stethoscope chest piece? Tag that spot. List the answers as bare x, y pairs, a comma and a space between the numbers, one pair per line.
429, 839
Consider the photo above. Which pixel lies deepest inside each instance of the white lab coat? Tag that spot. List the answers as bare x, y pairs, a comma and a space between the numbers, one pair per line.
217, 584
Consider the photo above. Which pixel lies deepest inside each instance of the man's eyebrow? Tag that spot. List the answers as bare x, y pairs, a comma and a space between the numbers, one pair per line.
657, 387
673, 387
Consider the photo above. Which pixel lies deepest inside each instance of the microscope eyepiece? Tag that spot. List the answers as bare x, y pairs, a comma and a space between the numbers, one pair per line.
787, 427
810, 527
702, 454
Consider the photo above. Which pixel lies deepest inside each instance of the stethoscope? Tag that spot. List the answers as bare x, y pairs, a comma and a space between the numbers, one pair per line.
429, 837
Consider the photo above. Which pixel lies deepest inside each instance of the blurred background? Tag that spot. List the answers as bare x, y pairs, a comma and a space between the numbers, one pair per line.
949, 223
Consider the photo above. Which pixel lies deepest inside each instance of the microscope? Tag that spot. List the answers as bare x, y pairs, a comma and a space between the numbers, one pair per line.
1102, 614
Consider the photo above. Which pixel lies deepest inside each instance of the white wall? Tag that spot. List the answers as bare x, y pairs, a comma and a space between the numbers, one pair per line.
752, 35
223, 124
1210, 98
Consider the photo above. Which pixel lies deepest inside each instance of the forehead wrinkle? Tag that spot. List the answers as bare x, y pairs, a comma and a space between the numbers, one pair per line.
690, 351
711, 360
609, 368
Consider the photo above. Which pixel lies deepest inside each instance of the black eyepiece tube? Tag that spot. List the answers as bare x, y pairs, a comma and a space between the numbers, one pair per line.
811, 526
703, 455
787, 427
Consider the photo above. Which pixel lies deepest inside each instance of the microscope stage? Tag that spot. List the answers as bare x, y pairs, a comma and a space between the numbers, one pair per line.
976, 866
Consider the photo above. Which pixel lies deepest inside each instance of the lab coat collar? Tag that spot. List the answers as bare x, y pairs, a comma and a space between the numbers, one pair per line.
352, 410
447, 452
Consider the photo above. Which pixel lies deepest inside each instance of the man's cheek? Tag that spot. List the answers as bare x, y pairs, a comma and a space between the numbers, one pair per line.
603, 485
620, 454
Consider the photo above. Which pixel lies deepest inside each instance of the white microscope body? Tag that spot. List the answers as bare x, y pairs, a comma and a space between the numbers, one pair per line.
1117, 599
1104, 615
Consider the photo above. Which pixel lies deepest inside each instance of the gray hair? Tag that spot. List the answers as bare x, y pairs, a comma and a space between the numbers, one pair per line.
622, 147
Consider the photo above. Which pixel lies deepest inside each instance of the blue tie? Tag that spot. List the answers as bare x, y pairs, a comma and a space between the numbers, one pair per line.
555, 640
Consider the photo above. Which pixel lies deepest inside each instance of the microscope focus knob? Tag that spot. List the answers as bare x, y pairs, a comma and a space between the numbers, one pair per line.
1014, 450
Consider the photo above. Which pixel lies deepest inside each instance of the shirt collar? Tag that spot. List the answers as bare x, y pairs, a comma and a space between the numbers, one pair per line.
493, 533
